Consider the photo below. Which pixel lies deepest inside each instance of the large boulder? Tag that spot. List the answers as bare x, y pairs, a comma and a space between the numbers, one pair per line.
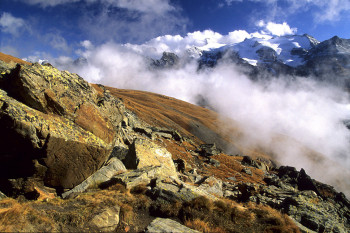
56, 129
143, 153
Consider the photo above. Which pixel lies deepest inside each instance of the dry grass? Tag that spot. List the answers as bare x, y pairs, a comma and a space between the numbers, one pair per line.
162, 111
15, 216
72, 214
202, 226
228, 216
201, 213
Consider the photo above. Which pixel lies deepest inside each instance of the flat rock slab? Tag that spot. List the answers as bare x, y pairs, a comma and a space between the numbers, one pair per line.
113, 167
166, 225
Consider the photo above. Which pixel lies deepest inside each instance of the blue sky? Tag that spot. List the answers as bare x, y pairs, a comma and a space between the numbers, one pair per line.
54, 28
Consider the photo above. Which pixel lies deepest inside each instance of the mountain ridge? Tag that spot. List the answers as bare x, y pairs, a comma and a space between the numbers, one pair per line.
291, 55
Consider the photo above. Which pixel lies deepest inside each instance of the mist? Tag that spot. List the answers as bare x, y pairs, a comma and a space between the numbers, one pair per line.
288, 117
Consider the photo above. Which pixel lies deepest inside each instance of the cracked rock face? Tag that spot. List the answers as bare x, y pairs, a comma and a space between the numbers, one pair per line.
56, 129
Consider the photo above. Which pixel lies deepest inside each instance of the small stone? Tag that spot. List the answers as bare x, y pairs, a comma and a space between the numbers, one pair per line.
247, 171
107, 220
214, 162
232, 178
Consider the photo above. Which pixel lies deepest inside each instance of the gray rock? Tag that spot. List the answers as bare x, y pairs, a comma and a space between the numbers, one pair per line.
166, 225
212, 186
248, 161
232, 178
297, 195
119, 152
136, 177
113, 167
175, 190
170, 192
213, 162
209, 150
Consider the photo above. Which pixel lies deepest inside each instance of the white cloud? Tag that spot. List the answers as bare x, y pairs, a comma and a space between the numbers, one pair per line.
146, 6
331, 10
86, 44
138, 20
277, 29
322, 10
48, 3
175, 43
12, 25
149, 6
136, 23
57, 42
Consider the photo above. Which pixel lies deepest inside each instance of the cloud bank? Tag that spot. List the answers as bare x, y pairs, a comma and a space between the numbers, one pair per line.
276, 29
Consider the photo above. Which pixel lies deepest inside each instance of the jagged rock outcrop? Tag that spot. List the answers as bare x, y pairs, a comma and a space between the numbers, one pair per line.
315, 206
168, 60
56, 128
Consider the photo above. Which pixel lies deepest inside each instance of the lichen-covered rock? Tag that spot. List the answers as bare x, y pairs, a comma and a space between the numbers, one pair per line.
166, 225
55, 127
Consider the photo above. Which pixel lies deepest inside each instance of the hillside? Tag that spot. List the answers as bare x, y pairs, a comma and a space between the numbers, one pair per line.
8, 58
85, 157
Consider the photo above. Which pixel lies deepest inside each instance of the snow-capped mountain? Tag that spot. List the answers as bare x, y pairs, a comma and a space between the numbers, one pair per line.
285, 49
294, 55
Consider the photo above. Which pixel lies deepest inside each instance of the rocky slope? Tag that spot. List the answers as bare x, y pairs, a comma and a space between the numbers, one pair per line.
82, 157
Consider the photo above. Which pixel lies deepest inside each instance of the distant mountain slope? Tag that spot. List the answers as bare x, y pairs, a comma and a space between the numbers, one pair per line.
9, 58
206, 126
